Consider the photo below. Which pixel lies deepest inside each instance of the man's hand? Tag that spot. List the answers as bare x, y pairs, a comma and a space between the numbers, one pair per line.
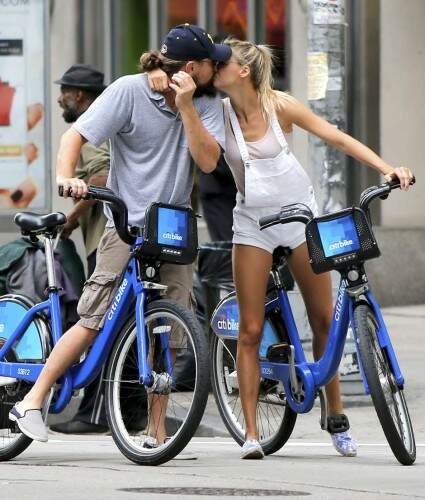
184, 87
74, 187
158, 81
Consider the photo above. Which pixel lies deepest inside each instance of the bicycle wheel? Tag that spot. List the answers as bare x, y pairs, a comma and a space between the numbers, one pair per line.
137, 418
387, 397
275, 418
34, 344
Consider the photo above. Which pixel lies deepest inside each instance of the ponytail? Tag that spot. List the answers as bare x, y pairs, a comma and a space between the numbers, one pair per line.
260, 60
155, 60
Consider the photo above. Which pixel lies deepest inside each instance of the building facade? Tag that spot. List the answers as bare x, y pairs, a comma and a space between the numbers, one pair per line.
385, 79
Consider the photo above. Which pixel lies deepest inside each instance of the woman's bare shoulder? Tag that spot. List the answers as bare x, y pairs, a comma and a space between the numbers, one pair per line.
286, 107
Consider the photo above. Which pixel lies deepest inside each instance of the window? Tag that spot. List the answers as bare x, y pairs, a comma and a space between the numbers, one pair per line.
133, 33
231, 18
275, 30
180, 12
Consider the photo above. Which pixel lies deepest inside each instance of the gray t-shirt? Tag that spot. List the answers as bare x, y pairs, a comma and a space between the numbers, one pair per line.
150, 157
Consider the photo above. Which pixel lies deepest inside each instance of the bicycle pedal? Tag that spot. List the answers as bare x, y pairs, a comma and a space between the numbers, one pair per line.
337, 423
279, 353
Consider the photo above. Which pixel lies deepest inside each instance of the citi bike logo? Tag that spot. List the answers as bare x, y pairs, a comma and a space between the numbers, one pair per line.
338, 306
228, 324
118, 296
172, 236
340, 244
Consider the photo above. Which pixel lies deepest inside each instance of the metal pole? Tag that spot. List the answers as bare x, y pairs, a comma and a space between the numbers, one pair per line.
327, 29
326, 95
50, 262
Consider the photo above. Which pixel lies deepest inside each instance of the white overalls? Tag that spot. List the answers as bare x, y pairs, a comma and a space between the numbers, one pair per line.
270, 183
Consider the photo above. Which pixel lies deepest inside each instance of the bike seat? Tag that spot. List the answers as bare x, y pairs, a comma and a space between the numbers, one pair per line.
30, 222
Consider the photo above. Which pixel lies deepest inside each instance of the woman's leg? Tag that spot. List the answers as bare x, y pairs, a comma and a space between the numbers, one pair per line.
68, 350
251, 269
316, 290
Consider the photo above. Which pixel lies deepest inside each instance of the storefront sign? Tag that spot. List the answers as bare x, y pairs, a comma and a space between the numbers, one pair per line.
24, 169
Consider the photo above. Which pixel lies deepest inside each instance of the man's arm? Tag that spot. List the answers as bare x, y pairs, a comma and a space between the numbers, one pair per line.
67, 159
107, 116
204, 149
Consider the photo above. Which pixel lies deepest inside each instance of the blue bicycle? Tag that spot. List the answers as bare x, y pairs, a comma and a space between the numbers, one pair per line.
154, 350
341, 241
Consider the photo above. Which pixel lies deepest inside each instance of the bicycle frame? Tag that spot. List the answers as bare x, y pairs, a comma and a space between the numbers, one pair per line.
131, 289
313, 375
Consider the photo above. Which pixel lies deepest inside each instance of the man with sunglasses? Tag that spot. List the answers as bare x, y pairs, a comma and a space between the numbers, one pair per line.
153, 137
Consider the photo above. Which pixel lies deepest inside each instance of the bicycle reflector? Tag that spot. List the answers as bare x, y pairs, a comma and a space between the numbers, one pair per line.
170, 234
337, 240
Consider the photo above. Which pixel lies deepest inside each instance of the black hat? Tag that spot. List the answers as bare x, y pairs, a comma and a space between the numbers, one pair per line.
189, 42
83, 76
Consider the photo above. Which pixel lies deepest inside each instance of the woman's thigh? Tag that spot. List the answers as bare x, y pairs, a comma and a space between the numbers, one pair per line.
251, 269
316, 289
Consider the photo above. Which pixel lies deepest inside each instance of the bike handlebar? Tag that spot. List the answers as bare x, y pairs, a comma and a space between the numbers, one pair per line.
382, 191
301, 213
298, 212
118, 209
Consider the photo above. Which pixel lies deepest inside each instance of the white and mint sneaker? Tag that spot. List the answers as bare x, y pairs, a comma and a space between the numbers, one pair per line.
344, 444
252, 449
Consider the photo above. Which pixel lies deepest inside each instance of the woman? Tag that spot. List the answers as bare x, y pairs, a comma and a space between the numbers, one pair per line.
259, 123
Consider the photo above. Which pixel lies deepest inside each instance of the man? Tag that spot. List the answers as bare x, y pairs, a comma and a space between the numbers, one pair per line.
153, 138
80, 86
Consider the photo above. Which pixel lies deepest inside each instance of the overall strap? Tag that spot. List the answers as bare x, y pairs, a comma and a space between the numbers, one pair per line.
277, 129
237, 131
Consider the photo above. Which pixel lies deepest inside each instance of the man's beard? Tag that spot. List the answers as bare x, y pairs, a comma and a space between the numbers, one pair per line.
206, 89
70, 113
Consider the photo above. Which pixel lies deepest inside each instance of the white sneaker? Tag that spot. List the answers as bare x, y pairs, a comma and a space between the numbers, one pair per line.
30, 422
252, 449
344, 444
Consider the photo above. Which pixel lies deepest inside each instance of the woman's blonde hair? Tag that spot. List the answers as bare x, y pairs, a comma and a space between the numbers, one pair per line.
260, 59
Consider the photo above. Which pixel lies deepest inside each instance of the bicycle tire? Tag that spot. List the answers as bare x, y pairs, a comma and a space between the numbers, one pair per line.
122, 359
12, 446
285, 420
383, 389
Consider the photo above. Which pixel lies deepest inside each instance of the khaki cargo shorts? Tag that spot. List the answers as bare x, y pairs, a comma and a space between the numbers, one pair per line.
99, 289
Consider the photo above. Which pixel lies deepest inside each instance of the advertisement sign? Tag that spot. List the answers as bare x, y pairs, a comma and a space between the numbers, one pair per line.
328, 11
24, 174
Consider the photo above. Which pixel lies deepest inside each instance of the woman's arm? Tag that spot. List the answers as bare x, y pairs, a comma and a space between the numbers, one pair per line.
300, 115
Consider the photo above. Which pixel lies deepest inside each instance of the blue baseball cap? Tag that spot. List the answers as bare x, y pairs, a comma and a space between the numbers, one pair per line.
188, 42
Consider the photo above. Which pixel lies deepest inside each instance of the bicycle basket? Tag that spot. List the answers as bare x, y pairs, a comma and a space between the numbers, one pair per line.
170, 234
337, 240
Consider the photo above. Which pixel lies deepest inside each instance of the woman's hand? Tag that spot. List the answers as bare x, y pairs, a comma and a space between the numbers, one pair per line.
158, 80
74, 187
403, 174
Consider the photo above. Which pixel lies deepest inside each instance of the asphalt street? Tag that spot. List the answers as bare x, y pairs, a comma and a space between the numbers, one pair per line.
70, 467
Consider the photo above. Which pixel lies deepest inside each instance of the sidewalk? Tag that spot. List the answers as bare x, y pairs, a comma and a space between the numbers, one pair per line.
306, 466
